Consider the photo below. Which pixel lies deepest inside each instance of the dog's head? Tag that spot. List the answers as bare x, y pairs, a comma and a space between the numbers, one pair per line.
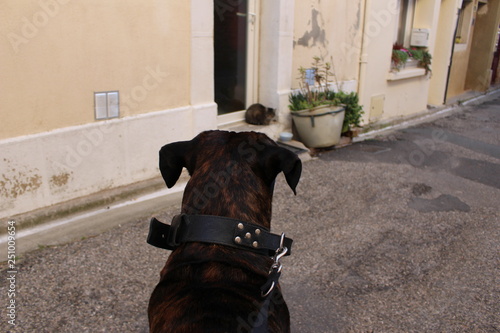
232, 174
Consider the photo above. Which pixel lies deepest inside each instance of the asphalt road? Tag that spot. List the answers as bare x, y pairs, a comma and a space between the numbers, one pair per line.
396, 234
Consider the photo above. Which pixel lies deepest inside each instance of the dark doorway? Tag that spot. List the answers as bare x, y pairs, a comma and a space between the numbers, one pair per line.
496, 58
230, 54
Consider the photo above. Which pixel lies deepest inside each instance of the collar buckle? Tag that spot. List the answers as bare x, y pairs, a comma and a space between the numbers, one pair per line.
163, 235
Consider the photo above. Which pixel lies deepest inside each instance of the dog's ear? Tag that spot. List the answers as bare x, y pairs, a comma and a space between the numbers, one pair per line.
173, 157
277, 159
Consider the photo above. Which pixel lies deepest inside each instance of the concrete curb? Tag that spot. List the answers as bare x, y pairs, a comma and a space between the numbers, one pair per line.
93, 222
423, 117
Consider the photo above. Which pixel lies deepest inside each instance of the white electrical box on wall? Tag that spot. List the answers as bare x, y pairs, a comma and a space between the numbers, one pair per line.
419, 37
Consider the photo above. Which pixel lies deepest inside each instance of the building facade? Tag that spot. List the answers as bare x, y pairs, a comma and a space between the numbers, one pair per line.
91, 90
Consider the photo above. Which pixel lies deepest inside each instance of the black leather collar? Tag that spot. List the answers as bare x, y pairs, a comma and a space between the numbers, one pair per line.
215, 230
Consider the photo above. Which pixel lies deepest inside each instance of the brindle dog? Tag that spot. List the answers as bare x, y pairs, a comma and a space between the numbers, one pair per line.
215, 288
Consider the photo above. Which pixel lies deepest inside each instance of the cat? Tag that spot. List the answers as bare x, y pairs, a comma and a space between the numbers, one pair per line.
258, 114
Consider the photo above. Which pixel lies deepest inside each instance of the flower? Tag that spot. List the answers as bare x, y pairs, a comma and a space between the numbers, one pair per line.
400, 56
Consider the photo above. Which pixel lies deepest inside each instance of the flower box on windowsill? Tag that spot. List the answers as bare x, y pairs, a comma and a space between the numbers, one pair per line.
405, 73
409, 63
409, 70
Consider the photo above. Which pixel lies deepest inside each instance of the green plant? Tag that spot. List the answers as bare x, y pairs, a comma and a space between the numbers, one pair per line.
353, 111
400, 56
320, 94
424, 58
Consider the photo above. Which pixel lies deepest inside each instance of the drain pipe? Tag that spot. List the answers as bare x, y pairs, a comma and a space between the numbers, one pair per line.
451, 60
363, 57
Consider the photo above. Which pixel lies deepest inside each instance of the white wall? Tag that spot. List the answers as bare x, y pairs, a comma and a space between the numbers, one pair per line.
53, 167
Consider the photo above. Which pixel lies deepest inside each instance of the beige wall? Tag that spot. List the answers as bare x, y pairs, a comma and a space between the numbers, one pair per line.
442, 51
329, 29
458, 72
387, 94
359, 35
461, 55
483, 46
58, 53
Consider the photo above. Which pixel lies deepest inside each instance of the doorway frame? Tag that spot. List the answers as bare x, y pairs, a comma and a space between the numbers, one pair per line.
252, 65
274, 64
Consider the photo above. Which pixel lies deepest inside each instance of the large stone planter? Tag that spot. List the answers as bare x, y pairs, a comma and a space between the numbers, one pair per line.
321, 126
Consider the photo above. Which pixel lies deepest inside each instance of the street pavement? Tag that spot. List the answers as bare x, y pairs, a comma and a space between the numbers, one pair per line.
399, 233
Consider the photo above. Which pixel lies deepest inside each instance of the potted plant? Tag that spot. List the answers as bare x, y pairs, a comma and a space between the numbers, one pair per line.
423, 57
316, 113
400, 56
353, 112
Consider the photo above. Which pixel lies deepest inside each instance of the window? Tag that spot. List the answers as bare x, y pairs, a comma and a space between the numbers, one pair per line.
464, 23
406, 10
106, 105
